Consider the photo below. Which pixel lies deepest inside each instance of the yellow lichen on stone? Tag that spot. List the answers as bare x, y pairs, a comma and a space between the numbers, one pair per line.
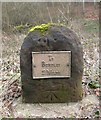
19, 27
43, 27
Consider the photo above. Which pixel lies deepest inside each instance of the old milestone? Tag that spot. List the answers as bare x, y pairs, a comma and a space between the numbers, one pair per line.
51, 63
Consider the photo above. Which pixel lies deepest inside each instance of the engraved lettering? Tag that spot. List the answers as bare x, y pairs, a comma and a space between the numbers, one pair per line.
43, 64
50, 72
49, 64
51, 58
43, 72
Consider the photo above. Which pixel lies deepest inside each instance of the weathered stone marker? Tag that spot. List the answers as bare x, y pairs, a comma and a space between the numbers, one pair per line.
51, 63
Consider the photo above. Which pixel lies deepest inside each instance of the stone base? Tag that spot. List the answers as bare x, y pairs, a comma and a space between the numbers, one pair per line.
55, 91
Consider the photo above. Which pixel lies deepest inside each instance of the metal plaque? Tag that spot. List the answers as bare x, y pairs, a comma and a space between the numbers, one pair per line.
51, 64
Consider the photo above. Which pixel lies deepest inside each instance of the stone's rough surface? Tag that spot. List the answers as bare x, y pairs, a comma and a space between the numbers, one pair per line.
57, 38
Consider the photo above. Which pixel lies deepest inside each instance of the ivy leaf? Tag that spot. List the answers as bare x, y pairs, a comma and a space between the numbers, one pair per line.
94, 84
97, 113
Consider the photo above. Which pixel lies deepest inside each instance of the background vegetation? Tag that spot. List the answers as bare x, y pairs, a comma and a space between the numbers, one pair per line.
28, 14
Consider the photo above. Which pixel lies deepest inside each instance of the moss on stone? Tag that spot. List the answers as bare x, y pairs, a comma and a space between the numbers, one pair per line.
19, 27
43, 28
22, 27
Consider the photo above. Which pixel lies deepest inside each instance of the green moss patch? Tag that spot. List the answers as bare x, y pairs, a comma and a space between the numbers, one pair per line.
43, 28
94, 85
